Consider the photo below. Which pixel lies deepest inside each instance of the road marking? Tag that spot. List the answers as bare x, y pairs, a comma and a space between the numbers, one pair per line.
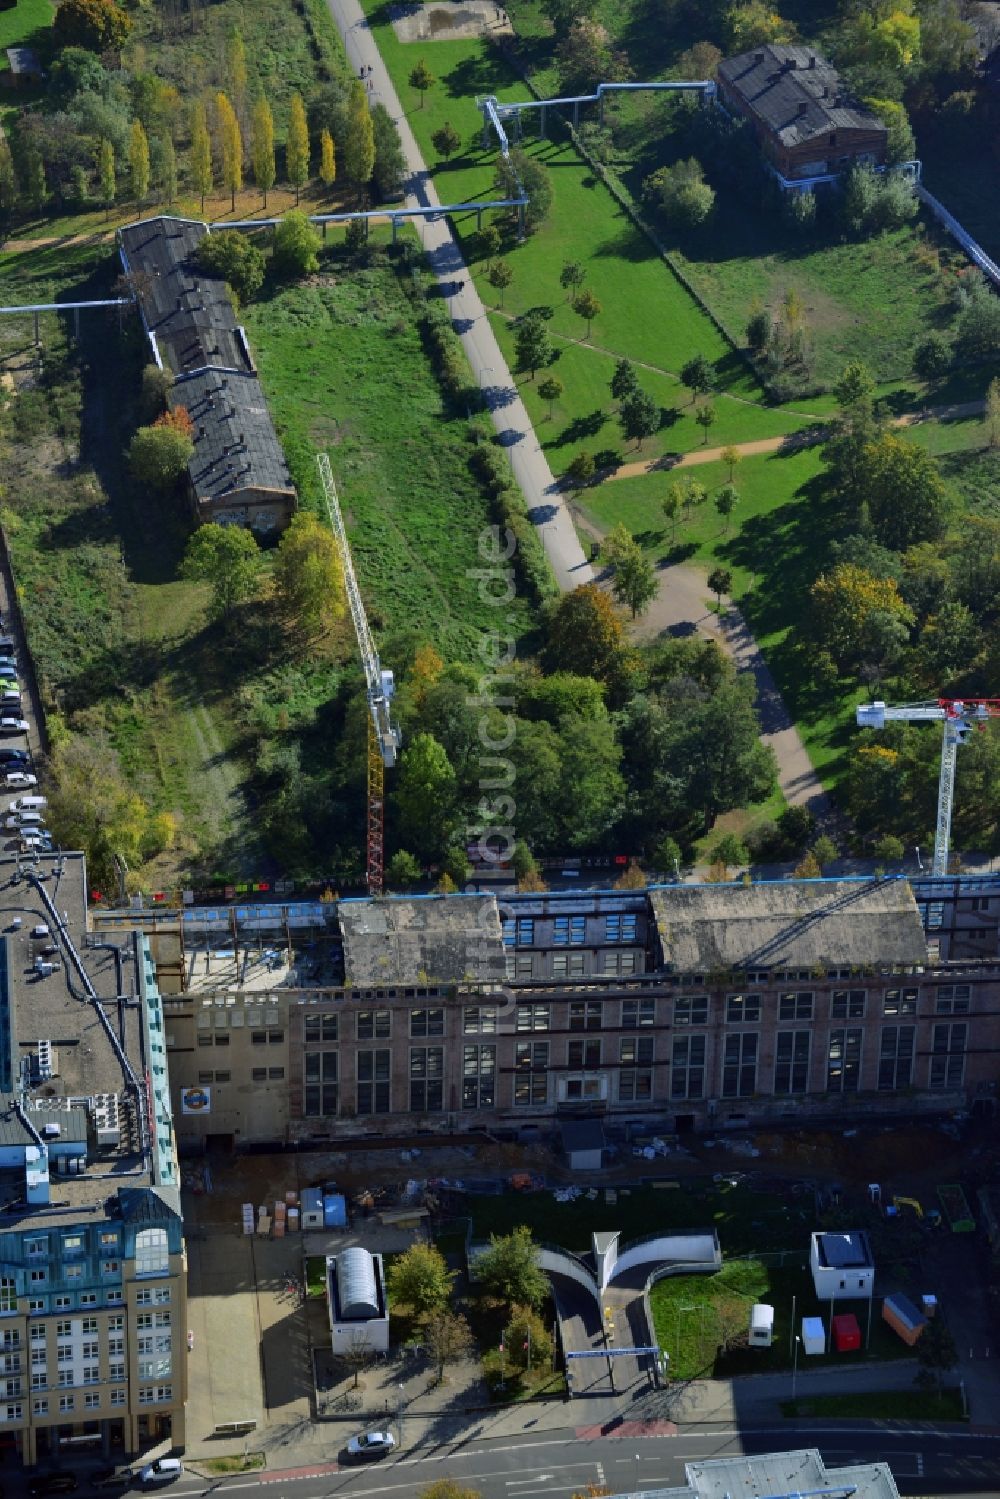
600, 1475
920, 1465
513, 1483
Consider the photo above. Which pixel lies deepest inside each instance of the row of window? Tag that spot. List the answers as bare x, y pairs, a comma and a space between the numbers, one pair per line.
618, 927
561, 965
257, 1075
67, 1404
845, 1004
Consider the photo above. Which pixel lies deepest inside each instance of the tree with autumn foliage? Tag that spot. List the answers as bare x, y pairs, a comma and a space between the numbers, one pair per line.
178, 420
96, 25
844, 601
587, 638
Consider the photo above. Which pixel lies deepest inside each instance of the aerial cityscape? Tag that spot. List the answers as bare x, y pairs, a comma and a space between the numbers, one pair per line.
499, 937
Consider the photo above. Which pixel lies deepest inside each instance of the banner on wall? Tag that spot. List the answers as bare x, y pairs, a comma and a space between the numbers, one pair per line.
196, 1100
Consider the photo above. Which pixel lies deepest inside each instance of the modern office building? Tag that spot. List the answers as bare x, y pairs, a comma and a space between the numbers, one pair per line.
92, 1264
691, 1007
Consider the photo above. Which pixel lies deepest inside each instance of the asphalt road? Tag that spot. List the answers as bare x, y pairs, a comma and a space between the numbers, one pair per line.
924, 1461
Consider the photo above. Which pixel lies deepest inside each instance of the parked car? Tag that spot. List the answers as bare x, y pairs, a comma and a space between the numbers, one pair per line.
36, 843
26, 821
8, 670
14, 756
371, 1444
113, 1478
51, 1483
163, 1470
30, 803
19, 780
13, 725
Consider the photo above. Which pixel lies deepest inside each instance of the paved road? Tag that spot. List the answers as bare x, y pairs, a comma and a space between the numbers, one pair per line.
546, 505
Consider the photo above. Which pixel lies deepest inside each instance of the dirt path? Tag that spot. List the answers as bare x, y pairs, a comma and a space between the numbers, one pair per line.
224, 809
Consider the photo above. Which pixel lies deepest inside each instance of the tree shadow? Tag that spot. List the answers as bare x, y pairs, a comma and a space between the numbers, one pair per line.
580, 428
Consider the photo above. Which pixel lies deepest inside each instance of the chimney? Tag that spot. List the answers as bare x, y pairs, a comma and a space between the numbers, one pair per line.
803, 109
812, 59
758, 57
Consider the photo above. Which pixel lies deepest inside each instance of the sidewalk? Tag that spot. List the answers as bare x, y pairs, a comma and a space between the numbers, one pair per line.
546, 505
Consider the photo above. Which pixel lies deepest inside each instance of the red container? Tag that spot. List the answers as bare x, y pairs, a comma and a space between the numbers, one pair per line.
846, 1333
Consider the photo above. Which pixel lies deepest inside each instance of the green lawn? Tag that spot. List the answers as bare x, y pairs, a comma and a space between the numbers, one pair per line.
702, 1321
23, 26
881, 1405
344, 369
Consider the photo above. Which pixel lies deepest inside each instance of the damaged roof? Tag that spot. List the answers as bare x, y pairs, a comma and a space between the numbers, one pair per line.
436, 939
796, 93
794, 923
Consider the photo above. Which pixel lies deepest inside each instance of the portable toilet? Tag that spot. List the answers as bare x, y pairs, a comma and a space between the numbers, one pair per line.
761, 1325
312, 1208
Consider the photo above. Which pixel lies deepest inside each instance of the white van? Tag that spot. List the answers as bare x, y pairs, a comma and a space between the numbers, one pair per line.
28, 804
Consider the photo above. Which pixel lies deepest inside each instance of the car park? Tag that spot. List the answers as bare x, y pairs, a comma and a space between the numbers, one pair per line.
371, 1444
43, 1484
13, 725
163, 1470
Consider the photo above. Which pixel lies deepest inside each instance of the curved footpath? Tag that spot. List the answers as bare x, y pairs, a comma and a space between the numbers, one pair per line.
546, 505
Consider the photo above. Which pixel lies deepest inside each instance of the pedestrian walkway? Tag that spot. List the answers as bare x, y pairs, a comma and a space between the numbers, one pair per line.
547, 507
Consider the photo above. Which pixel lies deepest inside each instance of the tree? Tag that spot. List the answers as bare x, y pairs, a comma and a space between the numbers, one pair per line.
581, 469
991, 414
236, 67
520, 172
720, 581
138, 161
309, 575
639, 416
750, 23
358, 1353
509, 1269
359, 139
296, 245
157, 456
230, 147
233, 256
96, 25
490, 239
585, 54
905, 494
327, 159
716, 751
855, 387
759, 331
824, 850
586, 305
527, 1340
426, 797
420, 1279
446, 140
634, 583
402, 871
699, 376
706, 416
571, 278
550, 390
932, 357
165, 168
671, 505
730, 851
532, 343
726, 502
262, 147
977, 332
106, 174
681, 193
92, 807
732, 458
389, 171
841, 602
900, 144
624, 381
421, 78
500, 276
297, 146
562, 13
936, 1354
448, 1336
586, 636
700, 61
889, 849
202, 177
229, 560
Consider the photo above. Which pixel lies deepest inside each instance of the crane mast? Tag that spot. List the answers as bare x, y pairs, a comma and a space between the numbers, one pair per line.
960, 717
383, 736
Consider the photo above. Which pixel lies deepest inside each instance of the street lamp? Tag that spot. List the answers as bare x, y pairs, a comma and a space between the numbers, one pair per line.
399, 1413
795, 1365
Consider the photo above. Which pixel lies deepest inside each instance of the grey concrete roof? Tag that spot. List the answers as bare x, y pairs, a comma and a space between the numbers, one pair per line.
778, 1473
437, 939
844, 1251
795, 93
788, 923
190, 319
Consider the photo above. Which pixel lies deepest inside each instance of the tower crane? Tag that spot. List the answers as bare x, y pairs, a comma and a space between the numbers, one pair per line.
960, 717
383, 737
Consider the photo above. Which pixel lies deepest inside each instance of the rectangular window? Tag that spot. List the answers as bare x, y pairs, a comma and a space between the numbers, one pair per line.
223, 1077
615, 962
791, 1061
687, 1071
739, 1069
91, 1401
636, 1051
479, 1066
117, 1397
275, 1038
895, 1061
39, 1407
66, 1403
580, 1054
843, 1064
37, 1278
948, 1055
567, 965
523, 966
89, 1298
40, 1380
426, 1079
116, 1372
480, 1020
899, 1002
531, 1088
275, 1074
37, 1249
373, 1080
320, 1095
795, 1006
321, 1028
425, 1023
519, 933
742, 1009
634, 1086
374, 1025
620, 928
532, 1018
586, 1015
259, 1075
638, 1013
953, 999
848, 1004
691, 1009
531, 1065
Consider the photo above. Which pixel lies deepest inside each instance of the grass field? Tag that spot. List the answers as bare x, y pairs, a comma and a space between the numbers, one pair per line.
881, 1405
344, 369
20, 27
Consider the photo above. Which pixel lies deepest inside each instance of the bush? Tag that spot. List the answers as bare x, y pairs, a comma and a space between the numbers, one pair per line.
932, 357
796, 825
799, 211
236, 259
296, 245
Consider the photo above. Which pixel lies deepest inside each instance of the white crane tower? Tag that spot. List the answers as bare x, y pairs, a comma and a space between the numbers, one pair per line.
960, 717
383, 737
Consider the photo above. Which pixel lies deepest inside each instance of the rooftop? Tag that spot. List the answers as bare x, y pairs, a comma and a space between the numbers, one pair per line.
779, 1474
437, 939
844, 1251
781, 924
795, 92
24, 62
582, 1134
